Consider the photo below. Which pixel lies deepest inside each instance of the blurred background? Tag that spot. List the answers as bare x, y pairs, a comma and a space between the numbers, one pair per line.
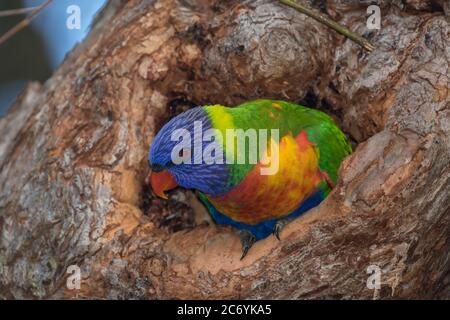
35, 51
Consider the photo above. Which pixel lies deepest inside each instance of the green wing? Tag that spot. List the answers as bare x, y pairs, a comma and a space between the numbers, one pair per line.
287, 118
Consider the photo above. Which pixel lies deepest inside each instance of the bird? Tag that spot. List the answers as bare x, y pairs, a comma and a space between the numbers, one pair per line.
257, 187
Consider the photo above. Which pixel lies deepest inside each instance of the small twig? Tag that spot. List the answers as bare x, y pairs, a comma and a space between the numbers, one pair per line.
15, 12
25, 22
330, 23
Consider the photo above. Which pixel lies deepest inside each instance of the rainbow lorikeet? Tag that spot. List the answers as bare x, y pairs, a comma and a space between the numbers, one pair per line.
255, 186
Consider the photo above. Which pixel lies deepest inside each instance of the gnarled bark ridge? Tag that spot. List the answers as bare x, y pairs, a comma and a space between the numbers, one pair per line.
73, 155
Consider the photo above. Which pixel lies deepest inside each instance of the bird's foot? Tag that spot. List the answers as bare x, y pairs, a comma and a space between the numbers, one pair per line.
279, 225
247, 240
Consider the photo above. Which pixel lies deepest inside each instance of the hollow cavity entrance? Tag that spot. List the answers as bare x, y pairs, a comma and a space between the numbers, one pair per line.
182, 210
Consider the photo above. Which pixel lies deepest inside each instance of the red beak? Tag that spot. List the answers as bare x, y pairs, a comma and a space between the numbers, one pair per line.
162, 181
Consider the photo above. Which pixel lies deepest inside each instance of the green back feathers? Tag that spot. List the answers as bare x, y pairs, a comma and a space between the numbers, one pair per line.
287, 118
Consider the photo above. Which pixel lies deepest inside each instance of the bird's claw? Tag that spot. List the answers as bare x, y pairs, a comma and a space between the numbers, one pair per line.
247, 241
279, 225
276, 230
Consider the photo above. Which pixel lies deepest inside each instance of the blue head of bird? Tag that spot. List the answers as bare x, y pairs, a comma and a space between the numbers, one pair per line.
176, 156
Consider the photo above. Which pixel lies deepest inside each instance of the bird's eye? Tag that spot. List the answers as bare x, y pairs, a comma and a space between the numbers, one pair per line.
181, 153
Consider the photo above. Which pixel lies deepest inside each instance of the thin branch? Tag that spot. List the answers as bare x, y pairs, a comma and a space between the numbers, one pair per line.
25, 22
15, 12
330, 23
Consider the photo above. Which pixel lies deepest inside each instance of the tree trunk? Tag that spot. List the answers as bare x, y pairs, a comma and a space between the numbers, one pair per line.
73, 155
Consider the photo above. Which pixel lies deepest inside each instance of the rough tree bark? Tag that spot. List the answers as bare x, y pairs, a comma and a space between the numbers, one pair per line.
73, 155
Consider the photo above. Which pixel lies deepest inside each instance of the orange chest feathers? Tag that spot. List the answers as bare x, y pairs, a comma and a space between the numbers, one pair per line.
261, 197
